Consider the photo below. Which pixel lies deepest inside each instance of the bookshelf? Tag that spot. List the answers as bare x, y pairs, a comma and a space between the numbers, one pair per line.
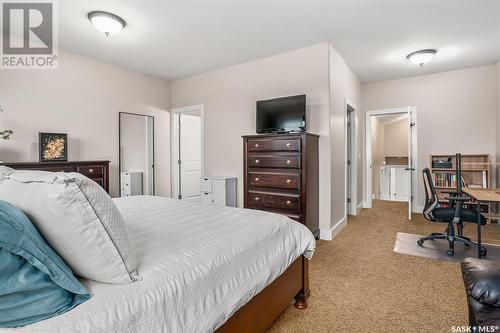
475, 174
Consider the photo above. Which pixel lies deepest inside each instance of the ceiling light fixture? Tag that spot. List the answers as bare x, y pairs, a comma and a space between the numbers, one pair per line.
107, 23
421, 57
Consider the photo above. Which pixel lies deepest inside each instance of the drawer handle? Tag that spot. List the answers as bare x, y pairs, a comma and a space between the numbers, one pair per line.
288, 144
257, 161
288, 181
288, 202
257, 199
91, 170
257, 179
256, 145
288, 161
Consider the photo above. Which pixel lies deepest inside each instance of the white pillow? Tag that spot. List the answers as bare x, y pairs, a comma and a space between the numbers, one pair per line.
77, 218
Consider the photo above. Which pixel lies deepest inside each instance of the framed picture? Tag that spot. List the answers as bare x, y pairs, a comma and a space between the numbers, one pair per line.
53, 147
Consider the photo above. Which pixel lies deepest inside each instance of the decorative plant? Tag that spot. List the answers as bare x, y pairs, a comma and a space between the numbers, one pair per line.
5, 134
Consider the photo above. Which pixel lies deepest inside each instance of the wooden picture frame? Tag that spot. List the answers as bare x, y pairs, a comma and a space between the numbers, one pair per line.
53, 147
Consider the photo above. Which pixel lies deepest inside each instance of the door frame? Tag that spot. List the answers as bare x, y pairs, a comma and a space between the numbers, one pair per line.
350, 108
368, 153
174, 143
120, 148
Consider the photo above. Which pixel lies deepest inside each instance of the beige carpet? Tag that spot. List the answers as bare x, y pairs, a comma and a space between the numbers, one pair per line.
359, 284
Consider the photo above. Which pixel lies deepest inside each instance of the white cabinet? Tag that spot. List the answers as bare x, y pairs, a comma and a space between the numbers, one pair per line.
220, 191
131, 183
206, 197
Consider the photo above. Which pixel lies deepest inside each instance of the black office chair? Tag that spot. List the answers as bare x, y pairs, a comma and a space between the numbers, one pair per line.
454, 214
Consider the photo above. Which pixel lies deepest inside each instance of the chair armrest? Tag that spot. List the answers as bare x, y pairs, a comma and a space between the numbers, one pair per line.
482, 281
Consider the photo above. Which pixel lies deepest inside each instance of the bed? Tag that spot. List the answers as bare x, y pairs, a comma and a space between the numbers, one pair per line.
203, 268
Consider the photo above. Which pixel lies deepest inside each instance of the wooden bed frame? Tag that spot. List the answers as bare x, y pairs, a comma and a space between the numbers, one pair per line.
261, 311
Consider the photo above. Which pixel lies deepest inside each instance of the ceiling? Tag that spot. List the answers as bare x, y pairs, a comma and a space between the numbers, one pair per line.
173, 39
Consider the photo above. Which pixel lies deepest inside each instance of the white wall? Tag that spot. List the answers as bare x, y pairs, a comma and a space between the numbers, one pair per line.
229, 95
454, 109
396, 138
344, 86
82, 98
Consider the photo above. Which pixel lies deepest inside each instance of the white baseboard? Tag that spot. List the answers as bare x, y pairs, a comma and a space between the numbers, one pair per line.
329, 234
325, 234
359, 207
418, 209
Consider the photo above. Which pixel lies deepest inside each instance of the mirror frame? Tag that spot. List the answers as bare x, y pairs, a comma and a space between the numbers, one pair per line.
120, 151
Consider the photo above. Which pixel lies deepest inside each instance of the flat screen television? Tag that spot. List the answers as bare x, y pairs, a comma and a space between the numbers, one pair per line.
282, 115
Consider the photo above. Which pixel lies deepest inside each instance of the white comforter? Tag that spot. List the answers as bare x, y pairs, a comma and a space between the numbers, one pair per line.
198, 263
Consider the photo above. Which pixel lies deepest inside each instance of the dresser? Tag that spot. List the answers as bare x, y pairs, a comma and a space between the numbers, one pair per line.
281, 175
98, 171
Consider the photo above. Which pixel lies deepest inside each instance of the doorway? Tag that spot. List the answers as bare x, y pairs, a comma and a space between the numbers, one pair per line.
391, 156
187, 151
136, 154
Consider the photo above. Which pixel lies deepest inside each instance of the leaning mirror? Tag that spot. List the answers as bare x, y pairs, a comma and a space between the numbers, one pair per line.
137, 175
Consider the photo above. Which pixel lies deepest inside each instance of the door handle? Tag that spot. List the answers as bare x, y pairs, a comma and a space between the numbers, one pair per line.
409, 169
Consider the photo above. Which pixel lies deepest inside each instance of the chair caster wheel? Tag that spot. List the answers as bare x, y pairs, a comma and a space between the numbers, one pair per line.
420, 242
484, 252
450, 252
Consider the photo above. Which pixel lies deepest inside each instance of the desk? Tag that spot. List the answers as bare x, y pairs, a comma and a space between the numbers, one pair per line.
485, 195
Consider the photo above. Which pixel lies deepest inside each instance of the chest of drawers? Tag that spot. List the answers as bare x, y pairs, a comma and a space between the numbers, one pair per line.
281, 176
98, 171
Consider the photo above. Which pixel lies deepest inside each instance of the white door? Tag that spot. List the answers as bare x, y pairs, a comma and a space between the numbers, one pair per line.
189, 156
410, 169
